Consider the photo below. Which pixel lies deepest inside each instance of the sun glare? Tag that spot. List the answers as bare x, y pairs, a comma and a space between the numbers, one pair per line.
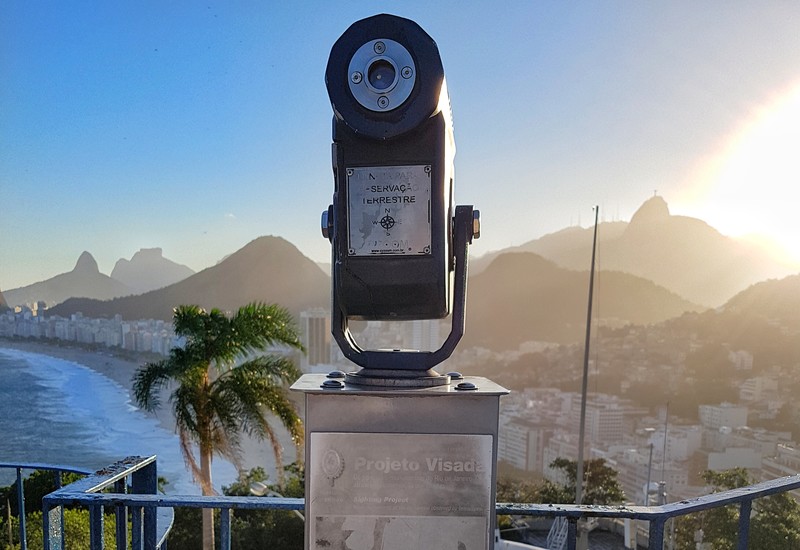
751, 185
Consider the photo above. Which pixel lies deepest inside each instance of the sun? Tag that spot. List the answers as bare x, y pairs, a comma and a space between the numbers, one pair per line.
751, 185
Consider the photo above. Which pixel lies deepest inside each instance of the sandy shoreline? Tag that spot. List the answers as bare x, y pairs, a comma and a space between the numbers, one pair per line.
121, 371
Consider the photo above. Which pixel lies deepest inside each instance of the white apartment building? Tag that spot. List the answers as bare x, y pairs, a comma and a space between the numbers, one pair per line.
315, 330
756, 389
682, 442
634, 468
725, 415
604, 418
521, 443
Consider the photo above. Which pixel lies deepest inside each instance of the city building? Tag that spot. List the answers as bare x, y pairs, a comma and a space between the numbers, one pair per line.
315, 330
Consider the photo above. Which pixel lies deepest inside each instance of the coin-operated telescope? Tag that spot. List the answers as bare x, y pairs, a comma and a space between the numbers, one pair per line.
399, 245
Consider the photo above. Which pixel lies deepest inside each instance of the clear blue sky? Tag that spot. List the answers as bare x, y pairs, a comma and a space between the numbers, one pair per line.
197, 127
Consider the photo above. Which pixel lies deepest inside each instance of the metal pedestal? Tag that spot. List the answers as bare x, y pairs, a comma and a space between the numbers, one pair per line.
400, 469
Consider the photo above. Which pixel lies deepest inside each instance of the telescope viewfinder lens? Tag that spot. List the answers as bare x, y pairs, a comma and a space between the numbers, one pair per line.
381, 75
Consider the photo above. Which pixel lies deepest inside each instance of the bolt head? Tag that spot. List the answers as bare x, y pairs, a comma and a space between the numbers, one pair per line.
356, 77
325, 225
383, 102
379, 47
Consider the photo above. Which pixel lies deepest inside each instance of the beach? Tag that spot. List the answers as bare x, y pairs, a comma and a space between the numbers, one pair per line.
120, 371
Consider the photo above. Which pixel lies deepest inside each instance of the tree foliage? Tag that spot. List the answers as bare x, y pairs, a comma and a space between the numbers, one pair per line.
35, 487
511, 489
601, 485
250, 529
774, 523
76, 531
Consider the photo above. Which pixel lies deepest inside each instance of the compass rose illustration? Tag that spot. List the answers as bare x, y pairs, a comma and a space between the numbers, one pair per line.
387, 222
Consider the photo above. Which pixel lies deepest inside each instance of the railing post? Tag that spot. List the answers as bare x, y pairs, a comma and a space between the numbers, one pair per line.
96, 527
23, 536
656, 534
136, 528
52, 527
225, 529
572, 533
145, 482
59, 483
121, 516
744, 523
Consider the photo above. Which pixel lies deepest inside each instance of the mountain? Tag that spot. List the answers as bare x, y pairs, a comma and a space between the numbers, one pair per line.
776, 301
569, 242
148, 270
268, 269
763, 319
85, 280
682, 254
522, 297
3, 303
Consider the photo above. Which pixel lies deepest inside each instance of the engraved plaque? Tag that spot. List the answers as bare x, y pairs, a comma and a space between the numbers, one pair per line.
389, 210
399, 491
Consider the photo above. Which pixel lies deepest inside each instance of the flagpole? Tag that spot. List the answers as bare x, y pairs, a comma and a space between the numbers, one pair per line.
584, 387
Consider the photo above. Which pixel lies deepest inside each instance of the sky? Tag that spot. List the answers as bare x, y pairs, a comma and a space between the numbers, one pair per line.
198, 127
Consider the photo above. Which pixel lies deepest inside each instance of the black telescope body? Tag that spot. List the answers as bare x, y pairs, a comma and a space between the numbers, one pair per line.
393, 154
399, 244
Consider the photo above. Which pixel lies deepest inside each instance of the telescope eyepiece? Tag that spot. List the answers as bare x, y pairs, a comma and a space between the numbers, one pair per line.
382, 75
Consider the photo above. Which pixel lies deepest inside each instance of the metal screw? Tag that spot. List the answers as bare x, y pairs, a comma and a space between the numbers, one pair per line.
383, 102
428, 169
332, 385
466, 386
379, 47
350, 172
455, 375
407, 72
356, 77
336, 374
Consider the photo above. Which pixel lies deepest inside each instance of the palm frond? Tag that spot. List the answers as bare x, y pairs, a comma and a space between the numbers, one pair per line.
273, 368
148, 381
188, 321
187, 408
258, 325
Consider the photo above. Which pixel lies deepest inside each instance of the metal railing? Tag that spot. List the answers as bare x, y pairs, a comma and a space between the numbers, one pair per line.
658, 516
151, 514
20, 467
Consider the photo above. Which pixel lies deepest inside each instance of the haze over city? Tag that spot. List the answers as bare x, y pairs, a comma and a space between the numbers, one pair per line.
198, 129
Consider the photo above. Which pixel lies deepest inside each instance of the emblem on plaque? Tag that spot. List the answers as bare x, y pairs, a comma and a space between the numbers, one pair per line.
332, 465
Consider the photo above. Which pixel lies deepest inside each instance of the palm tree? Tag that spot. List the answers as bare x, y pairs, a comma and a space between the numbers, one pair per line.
222, 390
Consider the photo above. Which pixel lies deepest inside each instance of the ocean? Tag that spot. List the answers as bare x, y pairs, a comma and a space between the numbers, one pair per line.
60, 412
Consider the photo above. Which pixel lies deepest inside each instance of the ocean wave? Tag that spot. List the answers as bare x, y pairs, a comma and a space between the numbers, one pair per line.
85, 414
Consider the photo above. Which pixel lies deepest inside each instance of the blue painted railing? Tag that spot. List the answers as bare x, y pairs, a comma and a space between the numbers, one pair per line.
151, 514
20, 467
659, 515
